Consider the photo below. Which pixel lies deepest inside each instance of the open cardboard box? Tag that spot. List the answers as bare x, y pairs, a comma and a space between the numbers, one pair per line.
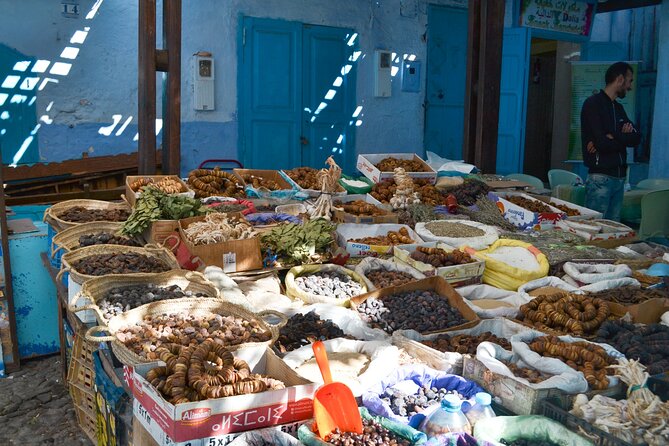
585, 213
367, 165
437, 284
456, 275
131, 196
339, 216
272, 175
350, 231
523, 218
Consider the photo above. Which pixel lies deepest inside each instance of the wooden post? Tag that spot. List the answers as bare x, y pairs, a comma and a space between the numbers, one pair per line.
172, 87
471, 85
146, 114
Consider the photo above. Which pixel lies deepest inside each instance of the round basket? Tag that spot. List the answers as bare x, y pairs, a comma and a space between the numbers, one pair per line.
68, 239
52, 213
295, 292
96, 289
72, 257
194, 307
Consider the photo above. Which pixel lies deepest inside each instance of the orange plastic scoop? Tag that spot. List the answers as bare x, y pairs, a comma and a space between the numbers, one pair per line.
334, 403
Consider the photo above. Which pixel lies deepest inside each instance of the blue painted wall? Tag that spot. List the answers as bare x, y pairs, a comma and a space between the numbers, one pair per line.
659, 155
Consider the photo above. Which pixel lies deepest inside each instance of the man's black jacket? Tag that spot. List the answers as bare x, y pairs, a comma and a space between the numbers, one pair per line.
600, 116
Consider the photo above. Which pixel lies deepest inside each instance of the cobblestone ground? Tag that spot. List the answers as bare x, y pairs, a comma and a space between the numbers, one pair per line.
36, 408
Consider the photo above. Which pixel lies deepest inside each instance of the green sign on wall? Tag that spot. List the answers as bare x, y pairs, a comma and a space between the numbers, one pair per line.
561, 16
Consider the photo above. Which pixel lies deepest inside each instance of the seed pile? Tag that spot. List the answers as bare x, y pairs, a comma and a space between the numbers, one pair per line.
372, 434
453, 229
146, 336
260, 182
330, 284
304, 329
122, 299
390, 164
400, 237
218, 228
465, 344
533, 376
648, 344
523, 442
423, 311
79, 214
628, 295
437, 257
119, 263
105, 238
382, 278
207, 183
408, 405
530, 205
573, 314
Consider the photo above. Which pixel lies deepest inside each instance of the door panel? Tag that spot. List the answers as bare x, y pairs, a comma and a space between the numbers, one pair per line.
512, 100
445, 82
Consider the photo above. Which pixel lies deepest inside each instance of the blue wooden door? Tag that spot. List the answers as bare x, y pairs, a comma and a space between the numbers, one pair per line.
329, 80
270, 83
445, 81
513, 100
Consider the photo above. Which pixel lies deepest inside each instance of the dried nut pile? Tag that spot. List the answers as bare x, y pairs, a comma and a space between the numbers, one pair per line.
400, 237
453, 229
428, 194
79, 214
465, 344
218, 228
586, 357
382, 278
105, 238
408, 405
533, 376
260, 182
372, 434
208, 370
437, 257
304, 329
468, 192
305, 177
390, 164
523, 442
207, 183
330, 284
571, 212
121, 263
571, 314
423, 311
122, 299
361, 208
530, 205
169, 185
146, 336
628, 295
648, 344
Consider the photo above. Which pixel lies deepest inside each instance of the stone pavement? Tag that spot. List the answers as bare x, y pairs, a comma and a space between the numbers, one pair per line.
36, 408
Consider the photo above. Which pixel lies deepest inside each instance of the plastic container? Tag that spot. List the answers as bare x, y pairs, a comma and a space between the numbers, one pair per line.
446, 419
482, 408
351, 189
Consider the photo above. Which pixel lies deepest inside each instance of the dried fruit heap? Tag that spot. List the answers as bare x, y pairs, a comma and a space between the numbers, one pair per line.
400, 237
119, 263
437, 257
207, 183
260, 182
79, 214
105, 238
303, 329
465, 344
372, 434
572, 314
360, 207
390, 164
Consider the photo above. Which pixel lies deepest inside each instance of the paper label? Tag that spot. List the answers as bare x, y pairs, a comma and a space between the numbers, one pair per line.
230, 262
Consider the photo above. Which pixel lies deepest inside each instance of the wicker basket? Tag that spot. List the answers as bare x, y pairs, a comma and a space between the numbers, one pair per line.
72, 257
68, 239
96, 289
194, 307
52, 213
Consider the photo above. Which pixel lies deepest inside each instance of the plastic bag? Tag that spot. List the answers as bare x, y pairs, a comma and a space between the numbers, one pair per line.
309, 438
528, 427
480, 242
444, 164
585, 273
295, 292
611, 284
510, 300
264, 436
506, 276
230, 291
383, 358
545, 282
373, 263
411, 378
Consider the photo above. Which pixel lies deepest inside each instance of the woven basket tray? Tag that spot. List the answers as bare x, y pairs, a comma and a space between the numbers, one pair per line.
68, 239
72, 257
52, 213
96, 289
192, 306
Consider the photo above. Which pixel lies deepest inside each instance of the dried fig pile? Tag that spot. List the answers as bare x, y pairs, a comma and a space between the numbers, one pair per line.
533, 376
382, 278
122, 299
168, 185
304, 329
260, 182
119, 263
390, 164
401, 237
105, 238
207, 183
465, 344
79, 214
438, 258
573, 314
373, 433
429, 195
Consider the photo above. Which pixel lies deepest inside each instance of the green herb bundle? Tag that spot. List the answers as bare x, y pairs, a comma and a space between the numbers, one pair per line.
299, 243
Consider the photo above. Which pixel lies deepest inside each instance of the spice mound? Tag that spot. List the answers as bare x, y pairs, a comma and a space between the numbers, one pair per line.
372, 434
406, 405
105, 238
382, 278
197, 373
571, 314
218, 228
437, 257
423, 311
533, 376
453, 229
102, 264
122, 299
79, 214
390, 164
465, 344
330, 284
400, 237
304, 329
530, 205
146, 336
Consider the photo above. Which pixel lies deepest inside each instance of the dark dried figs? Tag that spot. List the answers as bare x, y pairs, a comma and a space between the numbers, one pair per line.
119, 263
304, 329
79, 214
105, 238
372, 434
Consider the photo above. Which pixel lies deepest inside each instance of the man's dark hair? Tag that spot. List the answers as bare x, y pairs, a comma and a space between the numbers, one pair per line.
615, 70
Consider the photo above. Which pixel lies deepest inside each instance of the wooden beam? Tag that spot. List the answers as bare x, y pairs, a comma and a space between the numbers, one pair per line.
172, 87
618, 5
8, 292
146, 113
103, 194
471, 85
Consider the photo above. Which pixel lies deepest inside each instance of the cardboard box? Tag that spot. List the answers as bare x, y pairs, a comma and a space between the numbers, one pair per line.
648, 312
367, 166
604, 233
159, 230
314, 193
456, 275
349, 231
216, 417
339, 216
437, 284
131, 196
586, 214
523, 218
232, 256
272, 175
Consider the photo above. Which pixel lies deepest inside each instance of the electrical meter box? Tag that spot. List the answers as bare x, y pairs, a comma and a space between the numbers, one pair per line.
203, 83
382, 79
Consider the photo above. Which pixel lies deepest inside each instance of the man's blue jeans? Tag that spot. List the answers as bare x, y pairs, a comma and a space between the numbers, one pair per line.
604, 193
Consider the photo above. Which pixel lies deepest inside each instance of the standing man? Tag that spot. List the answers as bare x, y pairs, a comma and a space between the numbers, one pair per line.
606, 132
